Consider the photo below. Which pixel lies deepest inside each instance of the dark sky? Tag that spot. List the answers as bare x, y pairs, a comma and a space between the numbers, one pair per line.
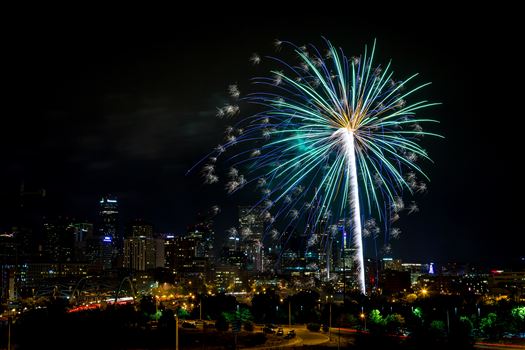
126, 106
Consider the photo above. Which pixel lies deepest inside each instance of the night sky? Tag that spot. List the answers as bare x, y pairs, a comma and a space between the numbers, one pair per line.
107, 105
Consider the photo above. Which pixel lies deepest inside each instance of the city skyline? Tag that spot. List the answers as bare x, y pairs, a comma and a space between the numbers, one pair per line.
130, 117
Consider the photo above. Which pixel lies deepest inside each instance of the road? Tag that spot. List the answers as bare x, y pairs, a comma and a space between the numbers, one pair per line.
306, 337
303, 337
311, 338
495, 346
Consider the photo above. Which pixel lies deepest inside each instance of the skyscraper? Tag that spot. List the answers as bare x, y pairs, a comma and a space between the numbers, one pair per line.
59, 240
203, 234
251, 228
140, 228
143, 253
108, 214
110, 240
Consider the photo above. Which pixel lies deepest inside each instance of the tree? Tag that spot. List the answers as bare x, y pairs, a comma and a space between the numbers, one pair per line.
418, 312
394, 322
437, 326
222, 325
487, 325
147, 305
167, 319
264, 306
460, 336
518, 319
242, 314
376, 317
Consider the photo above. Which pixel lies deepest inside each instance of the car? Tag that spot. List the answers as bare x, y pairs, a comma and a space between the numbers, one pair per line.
280, 332
290, 334
209, 325
268, 330
188, 325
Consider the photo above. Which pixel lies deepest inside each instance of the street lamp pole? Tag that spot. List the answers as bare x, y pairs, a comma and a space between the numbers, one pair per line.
9, 333
176, 331
363, 316
330, 322
289, 313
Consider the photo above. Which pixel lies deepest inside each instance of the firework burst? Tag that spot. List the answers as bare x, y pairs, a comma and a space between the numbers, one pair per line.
334, 137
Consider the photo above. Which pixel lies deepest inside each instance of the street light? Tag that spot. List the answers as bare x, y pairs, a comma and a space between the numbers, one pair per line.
363, 317
10, 316
8, 332
176, 331
330, 318
289, 313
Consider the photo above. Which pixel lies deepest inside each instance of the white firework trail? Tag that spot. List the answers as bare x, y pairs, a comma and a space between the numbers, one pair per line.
220, 149
233, 91
230, 110
398, 204
346, 137
210, 179
312, 240
220, 112
215, 209
255, 59
394, 217
413, 208
233, 172
277, 78
277, 45
261, 182
412, 157
395, 232
231, 139
246, 231
232, 231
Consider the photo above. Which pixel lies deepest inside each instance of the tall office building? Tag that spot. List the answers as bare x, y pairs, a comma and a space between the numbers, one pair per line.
28, 222
140, 228
83, 233
108, 217
251, 229
169, 250
110, 241
203, 234
59, 240
143, 253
